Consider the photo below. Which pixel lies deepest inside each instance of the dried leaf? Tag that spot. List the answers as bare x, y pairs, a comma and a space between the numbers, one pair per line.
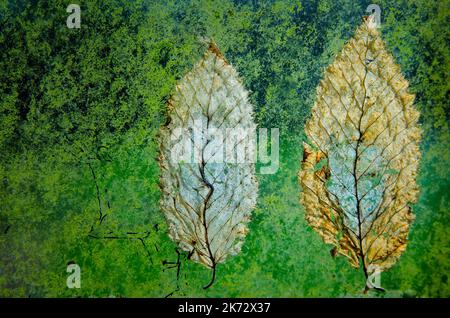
358, 174
208, 202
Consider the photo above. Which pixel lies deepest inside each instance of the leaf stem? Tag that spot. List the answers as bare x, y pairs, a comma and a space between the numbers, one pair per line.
213, 278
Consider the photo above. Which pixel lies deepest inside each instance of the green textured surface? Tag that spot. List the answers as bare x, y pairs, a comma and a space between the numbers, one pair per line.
97, 95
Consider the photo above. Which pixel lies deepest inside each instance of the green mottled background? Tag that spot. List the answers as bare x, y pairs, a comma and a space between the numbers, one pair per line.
75, 103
